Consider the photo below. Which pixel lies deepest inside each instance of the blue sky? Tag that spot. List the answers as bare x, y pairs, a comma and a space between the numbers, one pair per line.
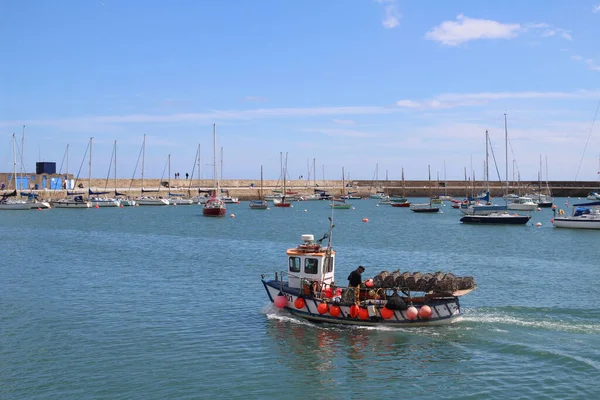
354, 84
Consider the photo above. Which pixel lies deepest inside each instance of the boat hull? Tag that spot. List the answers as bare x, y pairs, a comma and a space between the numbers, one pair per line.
491, 219
444, 310
405, 205
576, 223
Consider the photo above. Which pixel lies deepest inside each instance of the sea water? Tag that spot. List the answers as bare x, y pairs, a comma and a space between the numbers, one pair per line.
163, 303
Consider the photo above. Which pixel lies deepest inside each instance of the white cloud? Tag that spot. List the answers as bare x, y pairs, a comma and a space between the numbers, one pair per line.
464, 29
255, 99
408, 103
596, 8
563, 33
590, 63
216, 115
346, 122
453, 100
392, 16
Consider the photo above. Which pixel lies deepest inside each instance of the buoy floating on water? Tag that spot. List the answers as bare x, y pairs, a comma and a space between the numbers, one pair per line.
96, 206
538, 224
365, 220
539, 209
231, 215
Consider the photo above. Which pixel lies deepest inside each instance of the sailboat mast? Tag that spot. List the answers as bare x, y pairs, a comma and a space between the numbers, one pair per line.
506, 156
90, 167
216, 180
221, 162
143, 157
429, 170
261, 183
487, 170
67, 183
14, 177
169, 172
403, 187
22, 150
115, 166
314, 173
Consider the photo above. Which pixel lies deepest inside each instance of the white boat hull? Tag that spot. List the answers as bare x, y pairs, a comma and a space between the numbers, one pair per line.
581, 222
105, 202
15, 205
181, 202
523, 207
71, 204
152, 202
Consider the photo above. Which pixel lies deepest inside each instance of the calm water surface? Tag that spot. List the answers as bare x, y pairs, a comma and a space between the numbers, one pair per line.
157, 303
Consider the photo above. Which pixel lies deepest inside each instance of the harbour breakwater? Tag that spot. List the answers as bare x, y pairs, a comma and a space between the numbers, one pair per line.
246, 189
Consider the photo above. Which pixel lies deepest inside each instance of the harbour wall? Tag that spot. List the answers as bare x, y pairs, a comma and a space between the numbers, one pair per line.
246, 189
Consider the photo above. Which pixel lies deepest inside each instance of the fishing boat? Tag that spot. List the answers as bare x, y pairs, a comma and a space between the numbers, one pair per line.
307, 289
498, 217
260, 203
583, 216
425, 207
214, 206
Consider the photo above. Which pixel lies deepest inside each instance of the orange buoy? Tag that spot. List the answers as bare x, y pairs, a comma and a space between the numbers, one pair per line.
299, 303
425, 312
363, 314
335, 311
96, 206
354, 310
338, 291
365, 219
386, 313
280, 301
322, 308
329, 292
554, 206
412, 313
552, 220
369, 283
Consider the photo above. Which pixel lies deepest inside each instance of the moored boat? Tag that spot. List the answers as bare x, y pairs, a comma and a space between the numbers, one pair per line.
583, 216
307, 290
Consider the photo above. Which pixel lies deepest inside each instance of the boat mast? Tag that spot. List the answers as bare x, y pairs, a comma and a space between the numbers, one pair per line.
403, 187
143, 157
169, 171
22, 150
221, 162
115, 150
260, 196
215, 178
14, 177
315, 172
506, 156
90, 167
67, 184
429, 169
487, 170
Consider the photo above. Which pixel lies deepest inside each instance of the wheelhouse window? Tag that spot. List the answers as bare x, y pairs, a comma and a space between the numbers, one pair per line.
294, 264
328, 267
311, 266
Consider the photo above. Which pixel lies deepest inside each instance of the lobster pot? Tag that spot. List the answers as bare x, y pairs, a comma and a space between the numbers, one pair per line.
379, 279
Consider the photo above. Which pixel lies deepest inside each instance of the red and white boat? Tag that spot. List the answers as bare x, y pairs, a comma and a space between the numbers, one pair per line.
307, 289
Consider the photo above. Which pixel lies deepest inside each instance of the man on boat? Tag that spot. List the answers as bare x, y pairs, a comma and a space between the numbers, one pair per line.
354, 280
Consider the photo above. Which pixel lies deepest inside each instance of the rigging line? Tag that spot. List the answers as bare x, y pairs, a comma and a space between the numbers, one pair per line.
588, 140
494, 157
136, 165
81, 166
112, 155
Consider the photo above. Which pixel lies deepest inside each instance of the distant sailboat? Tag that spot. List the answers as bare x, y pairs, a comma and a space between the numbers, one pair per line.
214, 206
425, 208
261, 203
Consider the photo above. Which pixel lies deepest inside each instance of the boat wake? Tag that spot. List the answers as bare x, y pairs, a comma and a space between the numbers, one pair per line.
502, 319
